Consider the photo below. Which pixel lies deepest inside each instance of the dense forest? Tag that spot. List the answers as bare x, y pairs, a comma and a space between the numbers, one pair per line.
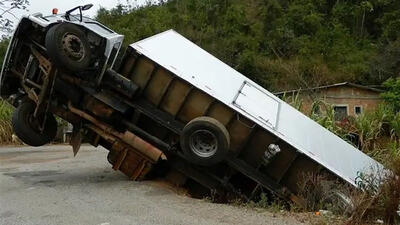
281, 44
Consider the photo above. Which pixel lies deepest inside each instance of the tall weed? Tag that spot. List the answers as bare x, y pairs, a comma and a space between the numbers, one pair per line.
379, 202
324, 114
368, 129
6, 130
293, 100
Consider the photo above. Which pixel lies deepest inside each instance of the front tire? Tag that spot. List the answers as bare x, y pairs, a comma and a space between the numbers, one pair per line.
26, 127
68, 47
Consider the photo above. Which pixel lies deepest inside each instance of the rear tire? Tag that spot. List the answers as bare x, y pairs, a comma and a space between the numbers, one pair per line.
342, 202
68, 47
205, 141
26, 127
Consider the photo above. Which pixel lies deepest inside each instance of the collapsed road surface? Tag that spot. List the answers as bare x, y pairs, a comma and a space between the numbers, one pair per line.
47, 185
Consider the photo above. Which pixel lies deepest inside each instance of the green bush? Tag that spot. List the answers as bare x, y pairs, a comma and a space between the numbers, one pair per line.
392, 93
5, 111
5, 123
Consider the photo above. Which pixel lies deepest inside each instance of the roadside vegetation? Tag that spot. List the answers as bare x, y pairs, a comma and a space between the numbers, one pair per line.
376, 133
5, 109
5, 123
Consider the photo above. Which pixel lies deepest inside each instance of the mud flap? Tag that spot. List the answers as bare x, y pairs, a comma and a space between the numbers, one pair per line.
76, 139
129, 162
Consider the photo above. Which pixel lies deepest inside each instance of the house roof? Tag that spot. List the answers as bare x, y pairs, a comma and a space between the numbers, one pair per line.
332, 85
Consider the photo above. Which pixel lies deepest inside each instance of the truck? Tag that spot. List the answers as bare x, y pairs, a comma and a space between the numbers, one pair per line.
166, 105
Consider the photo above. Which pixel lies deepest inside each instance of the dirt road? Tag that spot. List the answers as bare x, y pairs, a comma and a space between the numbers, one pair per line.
47, 185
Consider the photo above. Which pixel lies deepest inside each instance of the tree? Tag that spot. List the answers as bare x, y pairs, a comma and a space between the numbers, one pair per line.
6, 13
392, 93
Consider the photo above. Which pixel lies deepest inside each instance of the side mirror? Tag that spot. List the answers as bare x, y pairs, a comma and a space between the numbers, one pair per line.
86, 7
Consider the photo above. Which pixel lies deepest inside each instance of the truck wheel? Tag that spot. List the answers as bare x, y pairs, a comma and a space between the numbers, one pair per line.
26, 127
205, 141
68, 47
342, 202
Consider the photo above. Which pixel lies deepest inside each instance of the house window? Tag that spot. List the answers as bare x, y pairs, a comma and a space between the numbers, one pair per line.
357, 110
340, 112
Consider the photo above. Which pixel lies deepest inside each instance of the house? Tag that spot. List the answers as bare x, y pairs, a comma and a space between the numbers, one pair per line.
347, 99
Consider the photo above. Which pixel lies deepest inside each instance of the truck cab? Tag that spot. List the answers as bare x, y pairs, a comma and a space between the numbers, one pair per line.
43, 48
74, 43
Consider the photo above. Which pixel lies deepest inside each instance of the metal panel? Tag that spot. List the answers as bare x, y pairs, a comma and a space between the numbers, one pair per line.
191, 63
257, 104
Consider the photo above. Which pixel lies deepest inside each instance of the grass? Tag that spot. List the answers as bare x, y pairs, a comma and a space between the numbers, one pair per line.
379, 202
368, 128
324, 114
293, 100
274, 205
5, 123
5, 111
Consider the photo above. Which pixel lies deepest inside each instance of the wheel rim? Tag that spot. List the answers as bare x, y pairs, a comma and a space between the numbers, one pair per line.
73, 47
203, 143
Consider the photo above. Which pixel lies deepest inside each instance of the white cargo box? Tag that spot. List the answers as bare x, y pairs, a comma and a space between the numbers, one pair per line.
188, 61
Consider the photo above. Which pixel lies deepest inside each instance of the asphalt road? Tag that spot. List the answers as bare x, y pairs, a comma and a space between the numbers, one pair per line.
47, 185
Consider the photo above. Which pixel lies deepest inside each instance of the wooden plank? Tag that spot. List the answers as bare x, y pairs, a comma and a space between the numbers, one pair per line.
256, 176
288, 166
165, 91
163, 118
195, 174
247, 140
185, 97
208, 108
155, 70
